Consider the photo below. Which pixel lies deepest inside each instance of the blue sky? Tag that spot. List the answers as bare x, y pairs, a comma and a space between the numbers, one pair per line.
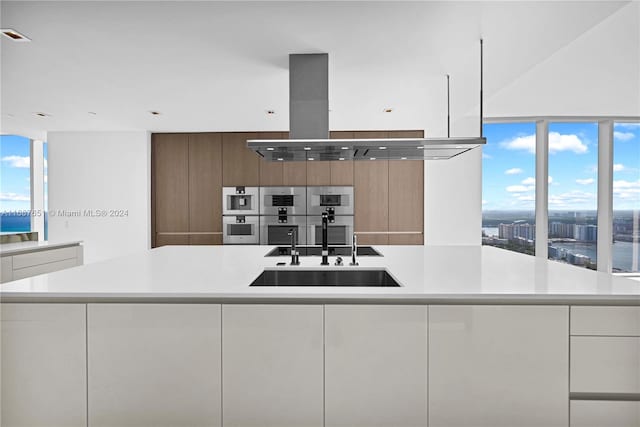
509, 166
14, 173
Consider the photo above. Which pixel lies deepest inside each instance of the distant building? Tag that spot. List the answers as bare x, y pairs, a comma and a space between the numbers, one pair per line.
578, 259
586, 233
561, 230
517, 231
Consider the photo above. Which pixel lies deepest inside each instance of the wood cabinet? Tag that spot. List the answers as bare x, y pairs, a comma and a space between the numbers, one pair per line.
318, 173
273, 365
240, 165
375, 365
187, 189
341, 171
170, 182
43, 379
154, 365
406, 201
498, 366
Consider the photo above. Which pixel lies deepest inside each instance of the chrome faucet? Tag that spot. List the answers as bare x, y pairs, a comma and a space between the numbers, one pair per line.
325, 243
295, 257
354, 250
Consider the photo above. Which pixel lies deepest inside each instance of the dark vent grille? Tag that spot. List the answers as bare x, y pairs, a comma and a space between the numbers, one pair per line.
282, 200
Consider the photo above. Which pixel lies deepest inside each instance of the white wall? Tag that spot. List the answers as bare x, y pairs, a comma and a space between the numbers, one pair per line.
100, 170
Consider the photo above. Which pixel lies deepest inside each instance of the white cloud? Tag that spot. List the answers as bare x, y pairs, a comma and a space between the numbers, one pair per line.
13, 197
620, 184
571, 199
623, 136
484, 202
618, 167
513, 171
550, 180
627, 125
17, 161
527, 198
557, 143
486, 156
585, 181
529, 181
520, 188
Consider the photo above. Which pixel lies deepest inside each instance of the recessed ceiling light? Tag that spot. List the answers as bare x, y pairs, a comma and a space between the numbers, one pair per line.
344, 148
310, 158
154, 113
341, 158
270, 148
93, 113
420, 147
403, 158
459, 146
14, 35
307, 148
280, 159
382, 148
41, 114
388, 110
372, 158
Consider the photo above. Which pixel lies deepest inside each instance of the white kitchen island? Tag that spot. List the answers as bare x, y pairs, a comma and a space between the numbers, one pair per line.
475, 336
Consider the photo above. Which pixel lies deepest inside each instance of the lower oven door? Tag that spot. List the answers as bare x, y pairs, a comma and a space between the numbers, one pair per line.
240, 230
275, 231
339, 232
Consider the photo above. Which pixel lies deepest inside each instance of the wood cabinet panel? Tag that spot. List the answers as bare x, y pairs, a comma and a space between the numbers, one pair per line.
271, 173
171, 239
341, 170
371, 182
318, 173
171, 181
406, 200
205, 182
205, 239
240, 166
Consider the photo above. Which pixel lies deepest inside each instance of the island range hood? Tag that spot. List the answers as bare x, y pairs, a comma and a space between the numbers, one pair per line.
309, 126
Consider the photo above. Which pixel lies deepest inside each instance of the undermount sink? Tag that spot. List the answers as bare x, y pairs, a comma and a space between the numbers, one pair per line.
349, 277
317, 251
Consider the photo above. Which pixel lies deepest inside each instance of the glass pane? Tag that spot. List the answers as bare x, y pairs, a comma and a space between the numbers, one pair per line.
626, 198
508, 186
573, 201
15, 186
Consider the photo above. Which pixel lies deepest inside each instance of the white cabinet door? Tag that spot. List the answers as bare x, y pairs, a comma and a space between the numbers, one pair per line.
376, 365
498, 366
43, 365
272, 365
154, 365
594, 413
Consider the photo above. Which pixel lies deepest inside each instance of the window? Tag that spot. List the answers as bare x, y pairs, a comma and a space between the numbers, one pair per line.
15, 184
508, 186
573, 196
626, 198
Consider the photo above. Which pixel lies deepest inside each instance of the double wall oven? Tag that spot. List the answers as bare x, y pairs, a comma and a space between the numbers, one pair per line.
266, 215
240, 220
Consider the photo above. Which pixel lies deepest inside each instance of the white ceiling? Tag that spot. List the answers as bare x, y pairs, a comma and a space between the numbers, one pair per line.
212, 66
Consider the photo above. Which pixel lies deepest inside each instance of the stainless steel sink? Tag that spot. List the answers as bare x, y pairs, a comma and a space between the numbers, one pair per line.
348, 277
317, 251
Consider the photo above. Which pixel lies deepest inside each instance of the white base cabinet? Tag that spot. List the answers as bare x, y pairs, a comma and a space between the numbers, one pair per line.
498, 366
375, 365
272, 365
43, 370
154, 365
595, 413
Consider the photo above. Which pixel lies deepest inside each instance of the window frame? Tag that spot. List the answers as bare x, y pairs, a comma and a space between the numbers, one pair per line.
604, 186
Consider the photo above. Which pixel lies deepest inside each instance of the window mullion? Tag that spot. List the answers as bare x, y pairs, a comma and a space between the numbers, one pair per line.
542, 190
605, 195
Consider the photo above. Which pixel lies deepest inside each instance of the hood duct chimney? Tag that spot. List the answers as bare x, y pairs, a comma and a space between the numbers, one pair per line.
309, 96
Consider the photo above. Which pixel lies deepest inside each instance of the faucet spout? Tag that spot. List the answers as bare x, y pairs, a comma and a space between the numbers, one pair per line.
325, 243
295, 257
354, 250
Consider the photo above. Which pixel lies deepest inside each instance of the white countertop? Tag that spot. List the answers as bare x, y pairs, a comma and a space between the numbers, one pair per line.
430, 274
8, 249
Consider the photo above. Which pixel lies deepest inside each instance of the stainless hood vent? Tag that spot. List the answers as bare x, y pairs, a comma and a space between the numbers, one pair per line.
309, 125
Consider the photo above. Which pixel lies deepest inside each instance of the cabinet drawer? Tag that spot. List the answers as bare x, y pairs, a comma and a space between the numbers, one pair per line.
43, 257
44, 268
595, 413
605, 364
616, 321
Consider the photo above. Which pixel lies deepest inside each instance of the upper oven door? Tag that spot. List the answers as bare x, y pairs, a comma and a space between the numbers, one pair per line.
240, 201
339, 232
274, 230
283, 201
336, 199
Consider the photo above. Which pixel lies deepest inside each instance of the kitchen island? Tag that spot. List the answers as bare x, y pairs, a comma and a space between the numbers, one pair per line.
474, 336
